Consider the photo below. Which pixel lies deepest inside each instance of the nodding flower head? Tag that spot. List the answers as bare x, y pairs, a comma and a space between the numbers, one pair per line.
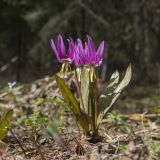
60, 52
87, 55
83, 55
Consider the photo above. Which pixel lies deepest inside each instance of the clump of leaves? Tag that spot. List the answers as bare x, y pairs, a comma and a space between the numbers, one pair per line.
117, 120
34, 125
127, 129
52, 129
114, 118
154, 148
35, 121
40, 101
59, 102
155, 110
93, 108
122, 148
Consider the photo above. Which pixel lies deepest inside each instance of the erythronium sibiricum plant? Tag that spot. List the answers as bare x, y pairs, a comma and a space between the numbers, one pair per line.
93, 107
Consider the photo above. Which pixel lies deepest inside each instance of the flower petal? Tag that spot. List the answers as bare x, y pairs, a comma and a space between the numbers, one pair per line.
99, 54
100, 50
86, 55
92, 50
80, 46
54, 49
61, 47
77, 60
71, 52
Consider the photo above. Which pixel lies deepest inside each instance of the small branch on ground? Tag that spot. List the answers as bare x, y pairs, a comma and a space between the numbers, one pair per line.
19, 143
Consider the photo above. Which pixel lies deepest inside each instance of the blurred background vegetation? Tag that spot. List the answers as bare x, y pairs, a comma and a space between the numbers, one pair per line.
131, 29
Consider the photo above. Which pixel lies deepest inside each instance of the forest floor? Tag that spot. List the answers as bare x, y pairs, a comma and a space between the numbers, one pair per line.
131, 131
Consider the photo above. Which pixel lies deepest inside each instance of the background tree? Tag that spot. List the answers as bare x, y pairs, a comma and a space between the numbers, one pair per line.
130, 29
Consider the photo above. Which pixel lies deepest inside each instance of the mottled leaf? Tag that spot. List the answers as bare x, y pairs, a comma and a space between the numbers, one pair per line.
108, 93
112, 92
112, 84
125, 80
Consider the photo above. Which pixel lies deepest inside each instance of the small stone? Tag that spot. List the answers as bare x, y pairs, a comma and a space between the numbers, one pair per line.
19, 158
11, 149
45, 142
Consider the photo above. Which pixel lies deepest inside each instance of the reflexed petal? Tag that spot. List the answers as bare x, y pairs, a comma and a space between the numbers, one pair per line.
54, 49
77, 60
86, 55
71, 52
92, 50
100, 50
80, 51
99, 54
61, 47
80, 46
91, 44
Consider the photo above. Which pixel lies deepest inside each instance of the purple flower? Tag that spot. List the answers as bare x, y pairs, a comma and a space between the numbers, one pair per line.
79, 58
88, 55
60, 52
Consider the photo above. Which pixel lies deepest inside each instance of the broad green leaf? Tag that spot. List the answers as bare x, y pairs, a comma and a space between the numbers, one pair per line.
108, 93
107, 102
67, 95
5, 120
112, 93
70, 99
120, 87
125, 80
113, 80
112, 84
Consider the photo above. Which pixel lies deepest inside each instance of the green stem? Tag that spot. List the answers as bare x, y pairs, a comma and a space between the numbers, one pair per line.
85, 90
79, 90
94, 105
93, 111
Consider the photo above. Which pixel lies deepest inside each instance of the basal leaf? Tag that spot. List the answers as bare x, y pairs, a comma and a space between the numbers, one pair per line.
114, 79
113, 91
107, 94
5, 120
120, 87
125, 80
69, 98
112, 84
67, 95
